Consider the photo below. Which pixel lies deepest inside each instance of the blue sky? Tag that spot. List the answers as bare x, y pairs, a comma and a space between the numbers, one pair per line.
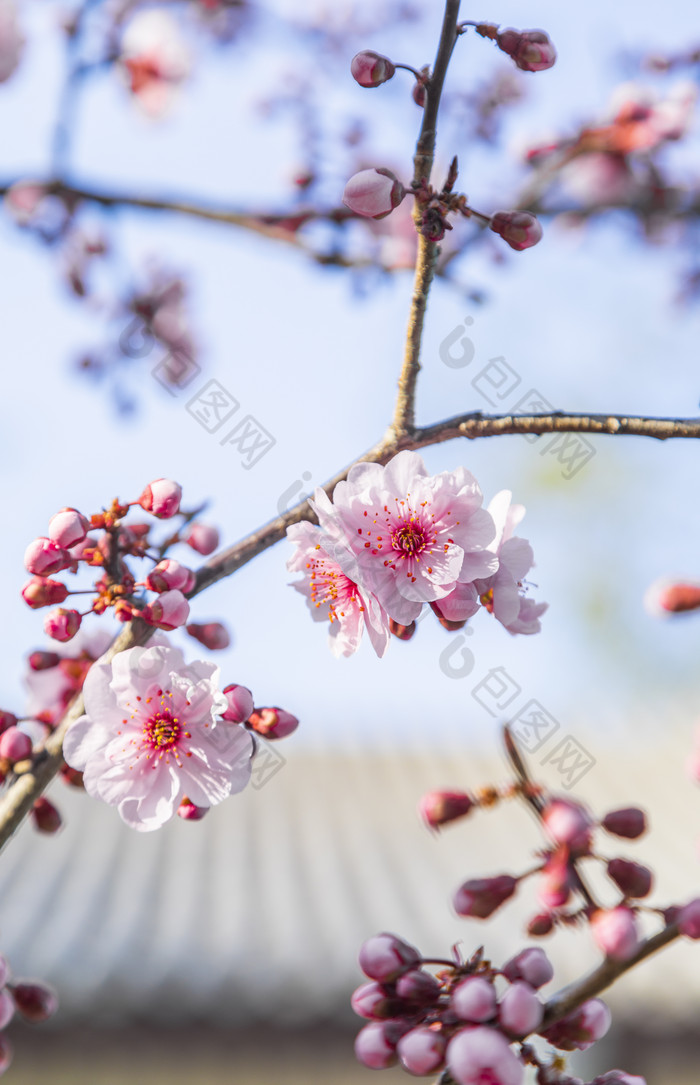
588, 318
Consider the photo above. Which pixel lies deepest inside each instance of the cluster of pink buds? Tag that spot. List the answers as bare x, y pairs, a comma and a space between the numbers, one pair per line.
569, 826
68, 546
33, 1001
530, 50
375, 193
562, 893
468, 1018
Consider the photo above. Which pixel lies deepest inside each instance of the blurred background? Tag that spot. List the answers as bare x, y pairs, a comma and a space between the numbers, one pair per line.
227, 948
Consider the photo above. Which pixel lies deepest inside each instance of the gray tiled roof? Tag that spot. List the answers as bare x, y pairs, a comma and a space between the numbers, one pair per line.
259, 910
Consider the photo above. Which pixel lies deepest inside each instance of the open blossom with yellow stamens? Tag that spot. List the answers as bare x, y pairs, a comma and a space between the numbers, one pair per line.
152, 734
406, 536
332, 596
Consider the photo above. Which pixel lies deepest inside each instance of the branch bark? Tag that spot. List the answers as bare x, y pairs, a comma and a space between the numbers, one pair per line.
428, 251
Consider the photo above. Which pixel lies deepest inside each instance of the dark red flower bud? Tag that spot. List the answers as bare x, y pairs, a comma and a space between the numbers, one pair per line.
481, 897
46, 817
43, 661
35, 1001
628, 823
633, 879
440, 807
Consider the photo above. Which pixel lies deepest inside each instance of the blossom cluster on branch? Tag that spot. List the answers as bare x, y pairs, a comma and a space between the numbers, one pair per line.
395, 538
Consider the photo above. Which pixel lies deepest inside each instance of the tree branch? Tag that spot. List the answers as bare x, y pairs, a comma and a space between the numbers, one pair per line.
573, 996
428, 251
21, 795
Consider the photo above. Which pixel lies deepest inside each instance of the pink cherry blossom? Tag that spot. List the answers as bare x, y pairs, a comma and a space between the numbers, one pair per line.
413, 536
478, 1055
502, 594
332, 596
150, 736
154, 59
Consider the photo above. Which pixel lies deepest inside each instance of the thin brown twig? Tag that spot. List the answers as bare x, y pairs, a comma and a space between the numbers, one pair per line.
570, 998
428, 251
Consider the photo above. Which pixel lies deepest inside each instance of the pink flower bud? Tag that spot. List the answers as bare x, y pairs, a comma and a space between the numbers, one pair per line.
169, 574
169, 611
531, 965
42, 592
665, 597
418, 988
384, 957
440, 807
519, 229
628, 823
615, 932
520, 1011
531, 50
62, 624
688, 918
68, 528
45, 816
202, 538
7, 720
474, 999
483, 1055
373, 193
213, 635
633, 879
582, 1028
15, 746
371, 69
35, 1001
273, 722
375, 1044
7, 1008
43, 661
190, 812
569, 823
162, 498
240, 704
422, 1051
480, 897
375, 1002
540, 925
43, 557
